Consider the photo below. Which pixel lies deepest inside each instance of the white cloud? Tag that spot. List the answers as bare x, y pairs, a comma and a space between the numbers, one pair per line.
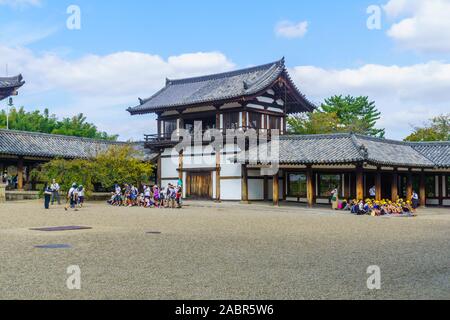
20, 3
102, 87
405, 95
291, 30
423, 26
16, 34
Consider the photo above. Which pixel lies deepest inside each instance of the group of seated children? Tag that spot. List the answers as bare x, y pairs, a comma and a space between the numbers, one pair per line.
378, 208
150, 197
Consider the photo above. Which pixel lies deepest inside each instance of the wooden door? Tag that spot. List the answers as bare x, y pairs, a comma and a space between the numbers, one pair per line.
200, 185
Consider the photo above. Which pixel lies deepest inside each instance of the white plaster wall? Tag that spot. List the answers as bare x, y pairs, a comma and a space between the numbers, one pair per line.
255, 189
433, 202
231, 189
169, 167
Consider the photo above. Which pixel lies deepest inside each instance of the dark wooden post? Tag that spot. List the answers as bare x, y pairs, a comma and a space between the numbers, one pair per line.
394, 186
266, 188
440, 189
359, 183
20, 173
276, 190
158, 171
284, 186
310, 192
409, 186
159, 127
218, 151
378, 194
244, 184
422, 192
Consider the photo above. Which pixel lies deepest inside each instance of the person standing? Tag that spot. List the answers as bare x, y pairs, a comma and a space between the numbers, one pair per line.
415, 200
334, 199
47, 196
80, 196
55, 192
71, 197
373, 192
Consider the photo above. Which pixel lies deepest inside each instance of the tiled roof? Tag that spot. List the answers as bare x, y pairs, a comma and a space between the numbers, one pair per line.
437, 152
215, 88
352, 148
9, 84
20, 143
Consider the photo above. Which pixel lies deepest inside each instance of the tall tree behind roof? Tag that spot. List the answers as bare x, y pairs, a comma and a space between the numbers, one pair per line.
340, 114
438, 129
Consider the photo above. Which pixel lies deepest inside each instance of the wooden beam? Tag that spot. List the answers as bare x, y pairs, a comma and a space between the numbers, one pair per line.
276, 190
422, 190
359, 183
244, 184
310, 188
20, 173
394, 186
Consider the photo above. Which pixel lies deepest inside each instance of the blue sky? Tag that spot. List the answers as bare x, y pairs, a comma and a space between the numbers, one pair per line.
124, 50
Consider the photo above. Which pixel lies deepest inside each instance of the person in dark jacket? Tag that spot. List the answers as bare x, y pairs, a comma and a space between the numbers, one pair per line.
47, 196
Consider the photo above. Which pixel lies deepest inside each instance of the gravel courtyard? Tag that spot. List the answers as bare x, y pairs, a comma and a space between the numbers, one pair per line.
222, 251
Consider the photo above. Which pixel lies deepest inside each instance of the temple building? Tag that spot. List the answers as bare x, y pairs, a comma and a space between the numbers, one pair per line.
260, 99
21, 152
10, 85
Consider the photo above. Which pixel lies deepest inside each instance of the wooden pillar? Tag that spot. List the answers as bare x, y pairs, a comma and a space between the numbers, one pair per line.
310, 188
394, 186
409, 186
244, 120
244, 184
378, 194
284, 185
422, 191
218, 151
276, 190
359, 183
180, 165
158, 171
20, 173
159, 128
441, 189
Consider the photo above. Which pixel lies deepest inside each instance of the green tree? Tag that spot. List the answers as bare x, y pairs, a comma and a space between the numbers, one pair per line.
118, 164
340, 114
438, 129
36, 121
314, 123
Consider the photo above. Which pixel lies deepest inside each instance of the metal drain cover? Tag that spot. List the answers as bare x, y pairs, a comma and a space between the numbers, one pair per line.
54, 246
64, 228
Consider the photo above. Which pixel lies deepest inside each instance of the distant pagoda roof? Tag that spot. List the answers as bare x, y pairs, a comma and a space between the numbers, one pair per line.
235, 86
9, 86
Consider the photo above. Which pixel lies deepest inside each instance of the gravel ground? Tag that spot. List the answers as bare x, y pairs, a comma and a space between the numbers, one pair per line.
222, 251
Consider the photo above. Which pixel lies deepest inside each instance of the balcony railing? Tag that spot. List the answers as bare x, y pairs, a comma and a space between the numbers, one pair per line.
165, 140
